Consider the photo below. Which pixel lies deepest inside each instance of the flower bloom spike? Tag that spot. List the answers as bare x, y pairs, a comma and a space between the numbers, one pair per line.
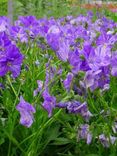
26, 111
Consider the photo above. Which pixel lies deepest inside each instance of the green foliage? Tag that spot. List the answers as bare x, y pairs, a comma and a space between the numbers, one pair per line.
56, 136
41, 8
3, 7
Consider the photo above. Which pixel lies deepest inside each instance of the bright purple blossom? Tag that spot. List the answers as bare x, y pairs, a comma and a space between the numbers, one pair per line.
4, 41
18, 34
10, 61
101, 57
63, 51
26, 111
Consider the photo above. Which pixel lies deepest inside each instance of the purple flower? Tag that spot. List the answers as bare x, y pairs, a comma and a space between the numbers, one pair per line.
101, 57
4, 23
106, 141
62, 104
26, 111
67, 82
76, 107
18, 33
2, 86
40, 85
114, 64
49, 102
74, 60
11, 60
4, 41
30, 25
97, 79
63, 51
90, 79
84, 133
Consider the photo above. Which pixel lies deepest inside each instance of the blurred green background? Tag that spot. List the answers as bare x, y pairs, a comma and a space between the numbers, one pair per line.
3, 7
48, 8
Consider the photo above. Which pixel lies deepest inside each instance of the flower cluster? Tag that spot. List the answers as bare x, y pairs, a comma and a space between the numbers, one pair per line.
10, 57
86, 52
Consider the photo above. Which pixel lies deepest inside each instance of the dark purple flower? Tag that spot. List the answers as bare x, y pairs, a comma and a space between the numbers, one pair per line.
11, 60
26, 111
4, 41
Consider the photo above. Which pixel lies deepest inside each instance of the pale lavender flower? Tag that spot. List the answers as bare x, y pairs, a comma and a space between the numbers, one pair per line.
101, 57
68, 81
63, 51
84, 133
4, 24
114, 64
40, 86
49, 102
114, 127
104, 140
37, 63
107, 141
26, 111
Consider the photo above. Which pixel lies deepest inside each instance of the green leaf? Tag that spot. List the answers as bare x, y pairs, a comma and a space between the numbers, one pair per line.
114, 101
61, 141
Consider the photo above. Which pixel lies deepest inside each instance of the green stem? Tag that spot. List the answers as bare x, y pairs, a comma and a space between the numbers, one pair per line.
9, 80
